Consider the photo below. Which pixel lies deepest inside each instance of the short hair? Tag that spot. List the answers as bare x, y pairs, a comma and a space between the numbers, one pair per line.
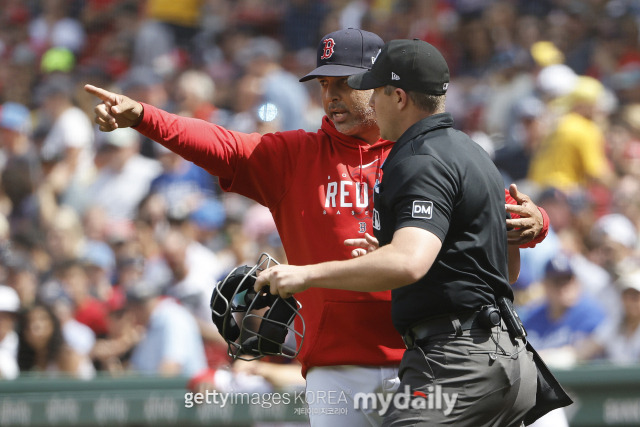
424, 101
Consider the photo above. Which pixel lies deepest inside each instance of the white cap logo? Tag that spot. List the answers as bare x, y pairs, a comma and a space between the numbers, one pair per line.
373, 58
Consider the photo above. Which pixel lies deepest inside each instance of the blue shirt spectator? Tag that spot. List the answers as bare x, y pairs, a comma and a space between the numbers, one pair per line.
172, 344
567, 315
183, 185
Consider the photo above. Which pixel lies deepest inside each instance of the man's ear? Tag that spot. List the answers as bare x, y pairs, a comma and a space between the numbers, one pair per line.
402, 98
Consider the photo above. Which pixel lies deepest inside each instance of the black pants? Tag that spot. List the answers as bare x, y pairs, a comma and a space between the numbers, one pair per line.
482, 378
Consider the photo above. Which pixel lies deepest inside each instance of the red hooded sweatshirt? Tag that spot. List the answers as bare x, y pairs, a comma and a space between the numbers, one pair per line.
319, 188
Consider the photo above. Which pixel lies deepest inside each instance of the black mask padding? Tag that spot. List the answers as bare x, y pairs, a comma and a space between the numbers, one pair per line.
273, 328
221, 300
264, 299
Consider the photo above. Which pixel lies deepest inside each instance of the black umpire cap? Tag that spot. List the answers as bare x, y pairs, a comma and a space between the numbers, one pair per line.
412, 65
345, 52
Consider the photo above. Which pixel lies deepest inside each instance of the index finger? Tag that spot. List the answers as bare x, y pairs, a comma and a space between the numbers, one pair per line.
104, 95
355, 242
517, 209
261, 282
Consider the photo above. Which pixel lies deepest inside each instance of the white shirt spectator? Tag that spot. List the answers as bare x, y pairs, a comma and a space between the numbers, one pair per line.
8, 357
618, 348
72, 129
120, 192
194, 291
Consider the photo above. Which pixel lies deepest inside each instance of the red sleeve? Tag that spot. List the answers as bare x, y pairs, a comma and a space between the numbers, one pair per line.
543, 232
256, 166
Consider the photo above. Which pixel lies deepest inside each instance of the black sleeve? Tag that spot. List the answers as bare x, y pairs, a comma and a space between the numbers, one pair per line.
424, 193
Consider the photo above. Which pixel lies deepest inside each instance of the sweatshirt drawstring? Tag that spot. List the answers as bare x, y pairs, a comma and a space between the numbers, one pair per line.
361, 180
361, 183
379, 166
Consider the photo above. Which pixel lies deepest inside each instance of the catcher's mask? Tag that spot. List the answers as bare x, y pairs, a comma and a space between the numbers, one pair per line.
235, 294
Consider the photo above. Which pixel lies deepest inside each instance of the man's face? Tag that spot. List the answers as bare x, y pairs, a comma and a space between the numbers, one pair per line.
347, 108
563, 291
381, 103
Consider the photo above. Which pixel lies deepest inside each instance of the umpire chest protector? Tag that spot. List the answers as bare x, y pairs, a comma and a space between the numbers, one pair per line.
436, 178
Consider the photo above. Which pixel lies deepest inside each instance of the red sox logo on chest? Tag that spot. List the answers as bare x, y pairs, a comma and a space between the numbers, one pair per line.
328, 48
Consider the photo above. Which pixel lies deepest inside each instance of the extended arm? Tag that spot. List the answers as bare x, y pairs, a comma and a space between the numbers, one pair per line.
257, 166
403, 261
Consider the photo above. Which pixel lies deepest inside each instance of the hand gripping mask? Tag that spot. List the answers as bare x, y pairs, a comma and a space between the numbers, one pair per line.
239, 313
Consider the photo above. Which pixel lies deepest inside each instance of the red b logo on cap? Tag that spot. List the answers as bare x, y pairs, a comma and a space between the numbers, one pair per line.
327, 51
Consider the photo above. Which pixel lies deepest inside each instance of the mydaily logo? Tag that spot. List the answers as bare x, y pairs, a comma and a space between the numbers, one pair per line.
433, 399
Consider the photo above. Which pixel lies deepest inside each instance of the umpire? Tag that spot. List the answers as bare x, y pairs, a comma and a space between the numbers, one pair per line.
438, 180
439, 220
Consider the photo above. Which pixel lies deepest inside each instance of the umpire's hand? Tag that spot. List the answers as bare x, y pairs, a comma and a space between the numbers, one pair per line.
283, 280
115, 111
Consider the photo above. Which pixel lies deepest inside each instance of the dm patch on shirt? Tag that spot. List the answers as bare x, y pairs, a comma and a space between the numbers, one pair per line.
422, 209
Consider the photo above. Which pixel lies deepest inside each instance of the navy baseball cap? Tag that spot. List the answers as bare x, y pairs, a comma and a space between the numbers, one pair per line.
412, 65
559, 266
345, 52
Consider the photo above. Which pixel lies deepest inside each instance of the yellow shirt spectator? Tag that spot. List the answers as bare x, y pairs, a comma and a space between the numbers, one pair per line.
179, 12
571, 155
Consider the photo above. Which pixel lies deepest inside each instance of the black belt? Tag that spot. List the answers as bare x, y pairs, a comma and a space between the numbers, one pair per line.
449, 324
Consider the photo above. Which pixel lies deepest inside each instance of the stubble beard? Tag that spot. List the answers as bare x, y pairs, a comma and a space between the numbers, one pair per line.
363, 120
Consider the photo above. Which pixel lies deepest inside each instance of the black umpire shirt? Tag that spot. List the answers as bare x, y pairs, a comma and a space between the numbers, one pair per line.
436, 178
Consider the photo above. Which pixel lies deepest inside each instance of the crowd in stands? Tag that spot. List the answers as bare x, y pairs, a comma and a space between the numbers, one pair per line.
110, 244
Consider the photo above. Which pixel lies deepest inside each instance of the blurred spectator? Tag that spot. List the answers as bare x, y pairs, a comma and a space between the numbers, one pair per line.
172, 344
301, 24
206, 224
124, 176
195, 96
195, 270
42, 347
65, 237
574, 154
182, 19
67, 150
522, 141
75, 285
183, 186
100, 263
614, 239
77, 335
112, 353
565, 317
21, 172
618, 339
9, 306
57, 59
261, 59
624, 140
53, 27
21, 276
